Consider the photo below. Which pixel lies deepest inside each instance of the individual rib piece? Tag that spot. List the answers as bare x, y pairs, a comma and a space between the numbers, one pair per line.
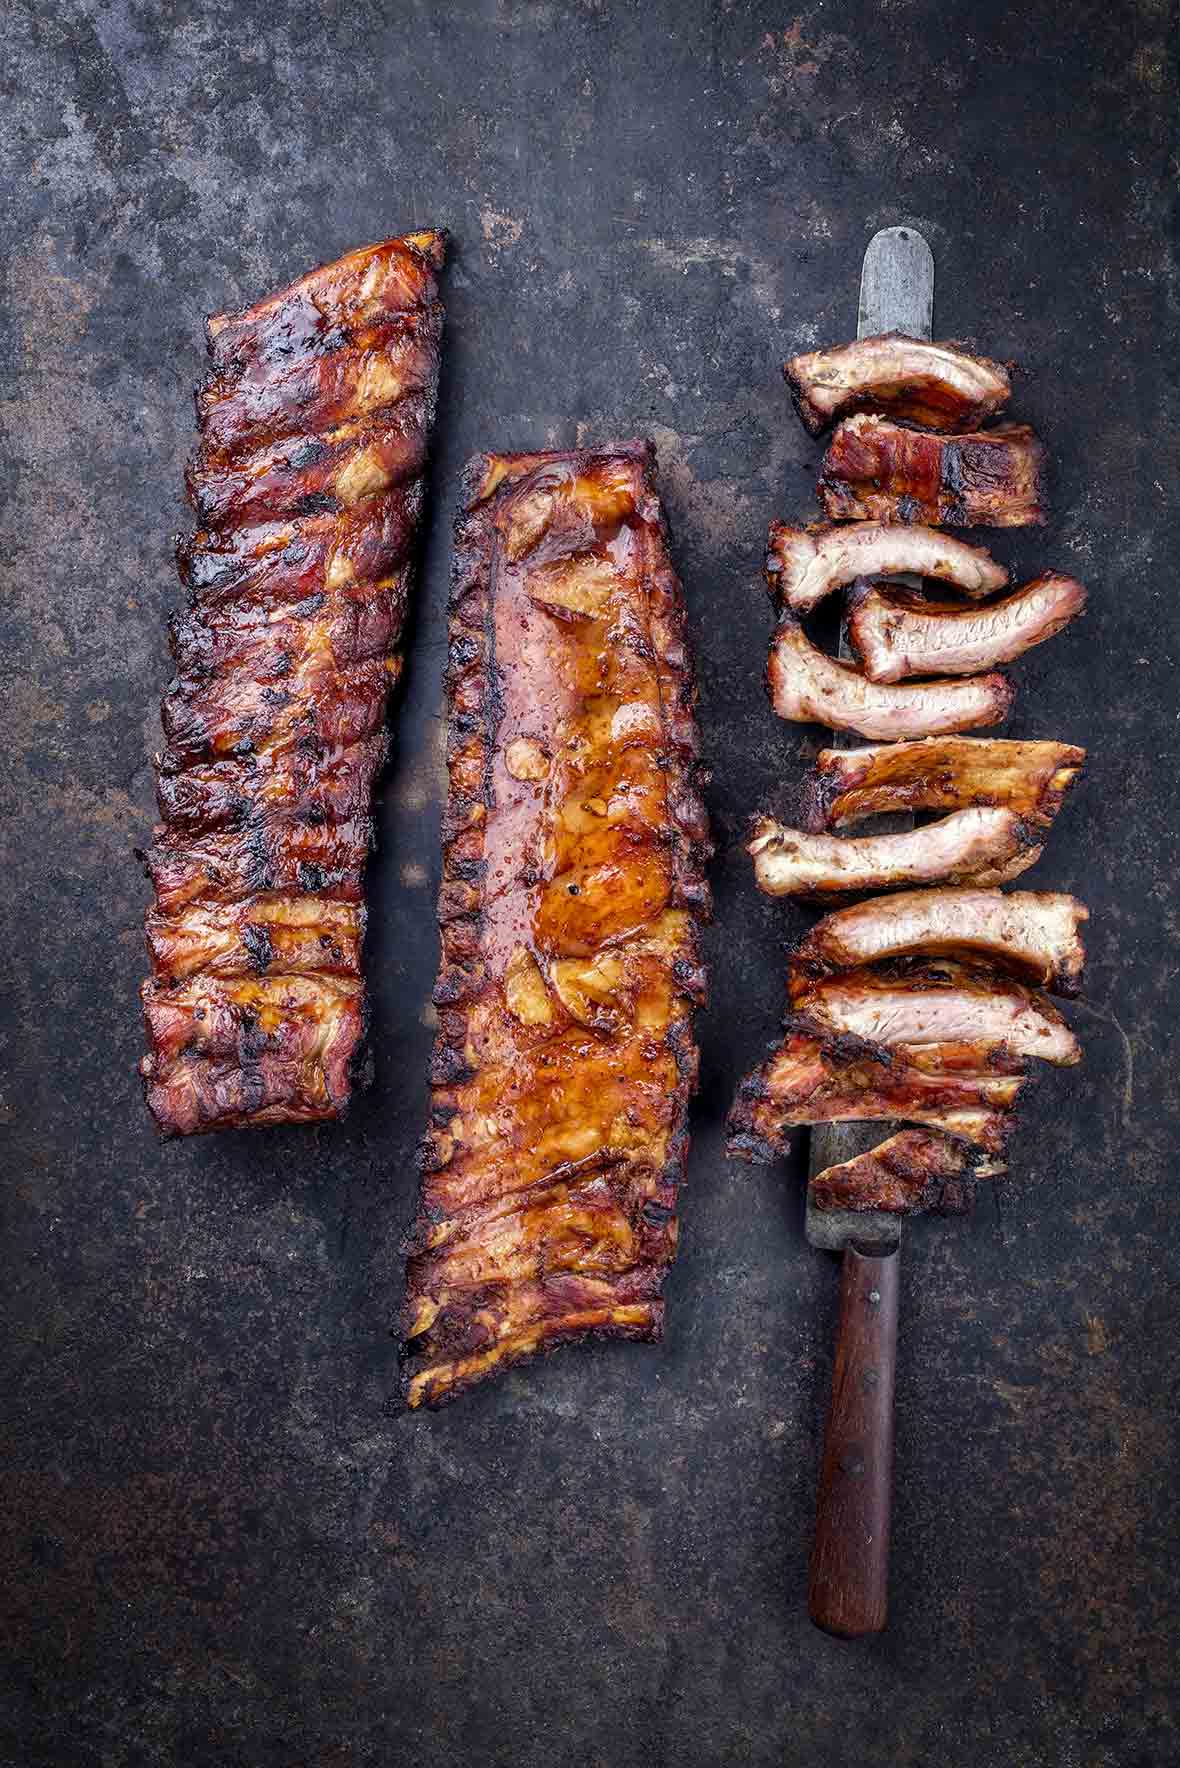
932, 1002
939, 773
875, 470
1034, 934
940, 385
896, 632
308, 485
574, 848
803, 565
912, 1172
810, 687
977, 846
805, 1081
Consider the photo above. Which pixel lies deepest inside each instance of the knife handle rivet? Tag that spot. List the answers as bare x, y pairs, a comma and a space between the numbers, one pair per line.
870, 1379
852, 1462
874, 1296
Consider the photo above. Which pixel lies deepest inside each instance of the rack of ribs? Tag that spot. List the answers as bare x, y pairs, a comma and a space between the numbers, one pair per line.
307, 485
574, 847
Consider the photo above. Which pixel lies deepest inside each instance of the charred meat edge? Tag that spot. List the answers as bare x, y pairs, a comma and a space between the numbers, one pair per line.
942, 386
473, 742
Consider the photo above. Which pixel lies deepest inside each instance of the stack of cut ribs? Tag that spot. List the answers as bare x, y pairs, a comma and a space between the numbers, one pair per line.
921, 1008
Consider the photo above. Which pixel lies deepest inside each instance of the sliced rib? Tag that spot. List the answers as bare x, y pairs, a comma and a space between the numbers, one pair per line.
940, 773
811, 688
896, 632
935, 1002
804, 1082
940, 385
1035, 934
875, 470
909, 1173
308, 487
803, 565
573, 885
970, 846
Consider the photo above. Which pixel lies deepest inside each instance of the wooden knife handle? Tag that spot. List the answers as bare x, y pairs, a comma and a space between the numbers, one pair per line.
847, 1595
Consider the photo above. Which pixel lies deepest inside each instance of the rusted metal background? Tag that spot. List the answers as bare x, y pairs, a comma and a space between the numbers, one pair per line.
218, 1546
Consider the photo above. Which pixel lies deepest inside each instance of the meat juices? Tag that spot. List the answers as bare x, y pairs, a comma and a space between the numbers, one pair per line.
573, 885
308, 485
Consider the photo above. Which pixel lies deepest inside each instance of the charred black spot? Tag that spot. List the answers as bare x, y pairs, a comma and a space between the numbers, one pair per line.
259, 946
311, 877
308, 606
316, 503
308, 455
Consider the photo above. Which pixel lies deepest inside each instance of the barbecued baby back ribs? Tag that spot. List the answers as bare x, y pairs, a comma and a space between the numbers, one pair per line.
574, 847
879, 471
307, 484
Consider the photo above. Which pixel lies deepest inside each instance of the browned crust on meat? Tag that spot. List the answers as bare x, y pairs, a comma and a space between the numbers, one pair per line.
913, 1172
939, 773
875, 470
812, 1077
308, 486
943, 386
574, 849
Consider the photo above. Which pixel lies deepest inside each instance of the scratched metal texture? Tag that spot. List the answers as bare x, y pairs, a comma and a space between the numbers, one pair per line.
219, 1546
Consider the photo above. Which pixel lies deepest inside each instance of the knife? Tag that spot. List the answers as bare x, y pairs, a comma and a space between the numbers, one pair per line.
848, 1586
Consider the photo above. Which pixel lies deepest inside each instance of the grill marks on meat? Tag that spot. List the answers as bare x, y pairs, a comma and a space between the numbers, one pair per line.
1034, 934
979, 846
808, 687
942, 386
307, 483
911, 1172
896, 632
940, 773
875, 470
803, 565
933, 1001
574, 846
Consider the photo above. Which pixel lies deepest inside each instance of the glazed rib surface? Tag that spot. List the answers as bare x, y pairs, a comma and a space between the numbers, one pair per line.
573, 882
879, 471
939, 773
307, 483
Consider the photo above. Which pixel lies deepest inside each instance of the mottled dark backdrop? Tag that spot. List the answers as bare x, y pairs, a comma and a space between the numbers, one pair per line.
220, 1545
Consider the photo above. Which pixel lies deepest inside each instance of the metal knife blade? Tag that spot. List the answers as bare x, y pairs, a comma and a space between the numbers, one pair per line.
896, 294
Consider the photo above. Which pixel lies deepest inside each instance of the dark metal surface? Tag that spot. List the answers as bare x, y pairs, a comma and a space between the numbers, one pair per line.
218, 1547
